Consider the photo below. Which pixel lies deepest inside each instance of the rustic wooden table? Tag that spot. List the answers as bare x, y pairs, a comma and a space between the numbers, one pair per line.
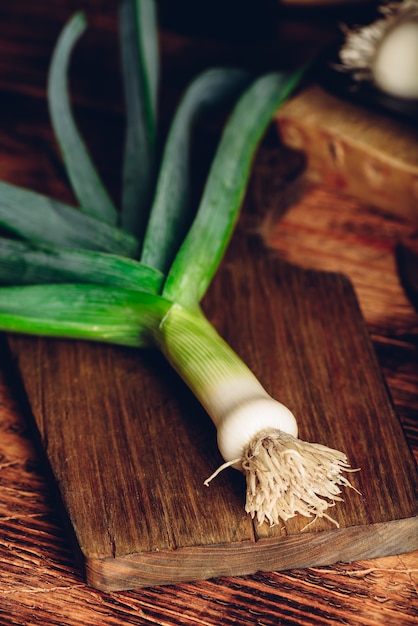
39, 581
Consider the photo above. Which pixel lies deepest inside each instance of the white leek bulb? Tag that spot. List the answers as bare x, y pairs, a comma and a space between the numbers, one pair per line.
247, 420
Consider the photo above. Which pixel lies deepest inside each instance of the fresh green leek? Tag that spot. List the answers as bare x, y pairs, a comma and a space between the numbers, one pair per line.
156, 302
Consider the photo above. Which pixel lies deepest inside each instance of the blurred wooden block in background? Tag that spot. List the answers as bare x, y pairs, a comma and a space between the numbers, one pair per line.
354, 151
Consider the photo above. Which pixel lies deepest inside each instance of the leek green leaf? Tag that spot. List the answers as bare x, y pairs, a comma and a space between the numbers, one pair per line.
23, 263
42, 220
140, 64
202, 250
85, 181
171, 211
79, 311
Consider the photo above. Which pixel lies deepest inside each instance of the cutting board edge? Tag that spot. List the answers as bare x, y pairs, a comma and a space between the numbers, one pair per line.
301, 551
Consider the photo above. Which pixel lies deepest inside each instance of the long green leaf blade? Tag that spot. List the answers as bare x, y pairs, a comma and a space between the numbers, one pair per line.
82, 311
84, 178
171, 212
146, 21
42, 220
140, 64
204, 246
24, 264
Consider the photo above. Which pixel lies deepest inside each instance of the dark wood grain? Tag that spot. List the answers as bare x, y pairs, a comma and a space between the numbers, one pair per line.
39, 580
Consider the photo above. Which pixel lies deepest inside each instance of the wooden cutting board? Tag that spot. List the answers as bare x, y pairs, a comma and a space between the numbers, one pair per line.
129, 447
